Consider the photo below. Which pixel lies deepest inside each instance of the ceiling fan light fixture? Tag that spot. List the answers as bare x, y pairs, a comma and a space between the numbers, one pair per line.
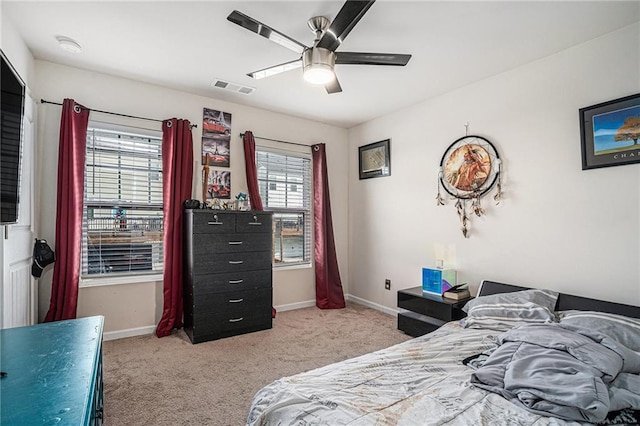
318, 66
319, 74
318, 61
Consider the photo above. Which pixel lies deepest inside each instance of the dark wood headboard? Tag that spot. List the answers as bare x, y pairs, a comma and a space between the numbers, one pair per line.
565, 301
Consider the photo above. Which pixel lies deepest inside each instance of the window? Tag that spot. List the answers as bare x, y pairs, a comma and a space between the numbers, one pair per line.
284, 179
122, 220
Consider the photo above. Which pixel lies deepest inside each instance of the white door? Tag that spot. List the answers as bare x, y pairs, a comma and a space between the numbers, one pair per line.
18, 289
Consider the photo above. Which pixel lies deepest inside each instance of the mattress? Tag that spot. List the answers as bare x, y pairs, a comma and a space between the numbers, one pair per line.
419, 382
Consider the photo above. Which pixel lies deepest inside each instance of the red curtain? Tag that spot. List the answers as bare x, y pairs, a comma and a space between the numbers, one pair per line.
71, 156
329, 293
252, 178
177, 177
252, 172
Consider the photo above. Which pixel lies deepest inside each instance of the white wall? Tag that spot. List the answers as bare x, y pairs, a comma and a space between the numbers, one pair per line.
558, 227
18, 289
16, 50
134, 306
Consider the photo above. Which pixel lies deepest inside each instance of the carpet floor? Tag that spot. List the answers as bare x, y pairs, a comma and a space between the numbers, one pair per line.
169, 381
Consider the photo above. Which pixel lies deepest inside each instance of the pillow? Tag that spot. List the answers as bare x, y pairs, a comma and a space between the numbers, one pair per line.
504, 311
622, 329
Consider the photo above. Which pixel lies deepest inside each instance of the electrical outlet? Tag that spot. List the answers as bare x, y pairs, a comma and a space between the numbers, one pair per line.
387, 284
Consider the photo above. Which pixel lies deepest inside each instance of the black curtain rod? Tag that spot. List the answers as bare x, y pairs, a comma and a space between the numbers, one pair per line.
276, 140
42, 101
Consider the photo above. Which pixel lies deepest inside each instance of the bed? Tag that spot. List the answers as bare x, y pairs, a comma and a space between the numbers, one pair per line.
428, 380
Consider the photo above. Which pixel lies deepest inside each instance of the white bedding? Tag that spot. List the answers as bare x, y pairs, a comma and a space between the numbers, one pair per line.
418, 382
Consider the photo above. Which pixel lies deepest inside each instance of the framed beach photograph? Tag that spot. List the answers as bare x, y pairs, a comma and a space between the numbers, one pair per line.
374, 160
609, 133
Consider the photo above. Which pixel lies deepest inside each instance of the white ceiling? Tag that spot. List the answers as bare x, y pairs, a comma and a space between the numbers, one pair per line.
186, 45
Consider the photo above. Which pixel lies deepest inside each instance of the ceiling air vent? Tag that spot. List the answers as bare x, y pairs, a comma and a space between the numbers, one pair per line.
233, 87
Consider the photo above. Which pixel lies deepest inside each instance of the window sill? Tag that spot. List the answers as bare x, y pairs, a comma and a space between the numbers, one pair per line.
290, 267
129, 279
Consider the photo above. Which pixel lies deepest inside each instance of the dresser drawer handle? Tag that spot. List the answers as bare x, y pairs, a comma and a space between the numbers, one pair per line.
235, 262
255, 223
235, 300
215, 221
235, 281
236, 319
235, 243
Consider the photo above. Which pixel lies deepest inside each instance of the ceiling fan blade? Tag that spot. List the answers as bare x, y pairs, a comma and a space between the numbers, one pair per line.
276, 69
359, 58
265, 31
333, 86
352, 11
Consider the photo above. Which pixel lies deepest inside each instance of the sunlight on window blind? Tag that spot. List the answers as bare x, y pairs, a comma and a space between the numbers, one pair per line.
122, 221
284, 181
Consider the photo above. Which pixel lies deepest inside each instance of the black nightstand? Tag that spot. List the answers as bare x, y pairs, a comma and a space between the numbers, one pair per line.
428, 312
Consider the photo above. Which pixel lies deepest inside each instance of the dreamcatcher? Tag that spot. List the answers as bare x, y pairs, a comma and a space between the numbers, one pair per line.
469, 168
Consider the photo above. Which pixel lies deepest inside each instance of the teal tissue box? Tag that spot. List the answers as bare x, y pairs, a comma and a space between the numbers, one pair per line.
437, 281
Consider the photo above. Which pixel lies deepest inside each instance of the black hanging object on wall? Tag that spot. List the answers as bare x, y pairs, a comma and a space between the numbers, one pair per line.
42, 256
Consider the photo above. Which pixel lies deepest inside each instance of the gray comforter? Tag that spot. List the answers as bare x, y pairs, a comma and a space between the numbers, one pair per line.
562, 371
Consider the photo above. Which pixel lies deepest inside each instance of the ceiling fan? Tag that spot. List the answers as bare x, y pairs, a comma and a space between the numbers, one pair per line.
319, 60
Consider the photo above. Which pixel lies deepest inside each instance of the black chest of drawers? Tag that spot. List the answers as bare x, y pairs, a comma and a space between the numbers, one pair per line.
228, 276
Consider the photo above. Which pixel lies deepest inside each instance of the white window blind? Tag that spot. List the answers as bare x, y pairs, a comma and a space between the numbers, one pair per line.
284, 179
122, 225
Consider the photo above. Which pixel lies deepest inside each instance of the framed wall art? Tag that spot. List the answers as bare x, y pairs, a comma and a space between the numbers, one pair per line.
219, 185
469, 169
216, 138
374, 160
609, 133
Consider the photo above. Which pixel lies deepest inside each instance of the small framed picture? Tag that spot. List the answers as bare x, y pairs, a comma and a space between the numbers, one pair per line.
374, 160
219, 185
609, 133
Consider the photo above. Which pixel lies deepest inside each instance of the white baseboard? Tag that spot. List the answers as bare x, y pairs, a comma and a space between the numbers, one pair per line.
297, 305
372, 305
141, 331
130, 332
348, 297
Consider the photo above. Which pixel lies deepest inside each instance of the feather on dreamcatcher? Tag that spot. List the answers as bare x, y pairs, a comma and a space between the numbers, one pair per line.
469, 169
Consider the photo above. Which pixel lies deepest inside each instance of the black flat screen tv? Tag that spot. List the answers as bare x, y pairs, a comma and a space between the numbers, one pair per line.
11, 113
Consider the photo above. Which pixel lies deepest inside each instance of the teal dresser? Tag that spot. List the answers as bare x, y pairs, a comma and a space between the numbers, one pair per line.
53, 373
